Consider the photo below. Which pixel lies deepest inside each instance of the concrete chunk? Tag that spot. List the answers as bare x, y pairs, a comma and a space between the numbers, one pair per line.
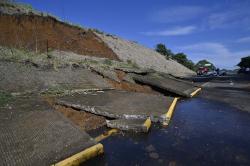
166, 83
120, 104
133, 70
136, 125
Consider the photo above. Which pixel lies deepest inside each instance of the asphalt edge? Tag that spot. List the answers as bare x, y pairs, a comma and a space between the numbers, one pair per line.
106, 135
195, 92
82, 156
147, 124
169, 114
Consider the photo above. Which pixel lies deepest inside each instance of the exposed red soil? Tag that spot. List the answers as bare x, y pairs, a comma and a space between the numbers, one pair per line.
130, 87
35, 32
120, 74
85, 121
123, 85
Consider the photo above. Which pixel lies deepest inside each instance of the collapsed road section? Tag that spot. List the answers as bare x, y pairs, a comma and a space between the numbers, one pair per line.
120, 104
37, 62
166, 83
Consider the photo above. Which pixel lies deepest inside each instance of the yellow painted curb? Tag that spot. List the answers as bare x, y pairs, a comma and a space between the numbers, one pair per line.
105, 135
79, 158
170, 111
147, 124
195, 92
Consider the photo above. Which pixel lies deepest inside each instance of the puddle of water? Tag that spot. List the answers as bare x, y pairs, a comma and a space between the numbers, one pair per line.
201, 132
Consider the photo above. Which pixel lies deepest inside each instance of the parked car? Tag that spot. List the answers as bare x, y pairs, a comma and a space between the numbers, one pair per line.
222, 73
211, 73
202, 71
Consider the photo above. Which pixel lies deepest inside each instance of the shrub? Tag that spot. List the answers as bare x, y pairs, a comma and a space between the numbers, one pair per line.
107, 62
161, 48
4, 98
182, 59
131, 63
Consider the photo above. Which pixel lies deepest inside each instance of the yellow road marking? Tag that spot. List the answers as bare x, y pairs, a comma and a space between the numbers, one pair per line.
195, 92
147, 123
170, 111
79, 158
105, 135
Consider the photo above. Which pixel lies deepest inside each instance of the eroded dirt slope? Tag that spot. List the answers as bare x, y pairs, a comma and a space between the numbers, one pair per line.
38, 33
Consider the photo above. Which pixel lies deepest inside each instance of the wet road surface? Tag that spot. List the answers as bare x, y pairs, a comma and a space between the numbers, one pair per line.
202, 132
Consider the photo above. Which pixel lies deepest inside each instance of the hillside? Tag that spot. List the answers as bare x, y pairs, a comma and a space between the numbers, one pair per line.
28, 29
144, 57
31, 30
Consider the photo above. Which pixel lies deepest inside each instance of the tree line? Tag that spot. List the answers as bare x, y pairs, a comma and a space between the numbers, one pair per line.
180, 57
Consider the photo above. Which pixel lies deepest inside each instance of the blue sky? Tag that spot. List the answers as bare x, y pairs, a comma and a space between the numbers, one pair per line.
217, 30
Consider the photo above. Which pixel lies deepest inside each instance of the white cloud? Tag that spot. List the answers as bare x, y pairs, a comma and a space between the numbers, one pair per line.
177, 14
243, 40
172, 32
233, 17
217, 53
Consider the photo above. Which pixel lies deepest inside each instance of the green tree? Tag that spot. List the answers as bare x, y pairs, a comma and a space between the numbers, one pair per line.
182, 59
203, 62
245, 62
162, 49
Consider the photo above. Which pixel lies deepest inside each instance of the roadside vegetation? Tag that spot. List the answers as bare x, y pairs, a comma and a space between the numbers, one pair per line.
28, 9
4, 98
20, 55
162, 49
14, 4
55, 60
182, 59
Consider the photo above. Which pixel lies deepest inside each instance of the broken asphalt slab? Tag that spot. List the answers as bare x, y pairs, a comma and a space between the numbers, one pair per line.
120, 104
16, 77
136, 125
128, 69
34, 134
166, 83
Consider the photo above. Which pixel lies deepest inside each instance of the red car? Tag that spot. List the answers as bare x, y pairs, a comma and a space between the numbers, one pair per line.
202, 71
